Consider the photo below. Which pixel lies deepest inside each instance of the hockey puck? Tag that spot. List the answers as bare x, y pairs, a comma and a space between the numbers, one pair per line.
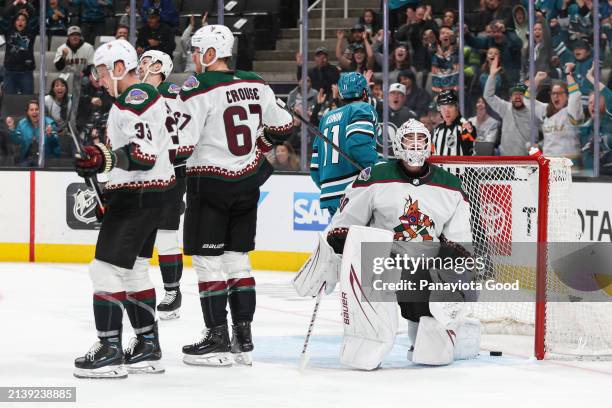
495, 353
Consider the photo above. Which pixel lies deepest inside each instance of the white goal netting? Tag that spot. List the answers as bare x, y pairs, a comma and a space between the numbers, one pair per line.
508, 212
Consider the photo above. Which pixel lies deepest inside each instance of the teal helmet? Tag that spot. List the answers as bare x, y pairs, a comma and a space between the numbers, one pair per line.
351, 85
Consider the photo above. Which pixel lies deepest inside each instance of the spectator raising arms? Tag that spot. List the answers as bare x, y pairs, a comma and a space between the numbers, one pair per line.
75, 54
515, 115
155, 35
186, 40
323, 75
445, 63
19, 60
25, 135
57, 19
563, 113
167, 11
362, 58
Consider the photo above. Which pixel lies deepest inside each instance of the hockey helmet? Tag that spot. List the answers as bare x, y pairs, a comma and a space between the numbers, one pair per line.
408, 146
215, 36
351, 85
447, 97
154, 57
111, 52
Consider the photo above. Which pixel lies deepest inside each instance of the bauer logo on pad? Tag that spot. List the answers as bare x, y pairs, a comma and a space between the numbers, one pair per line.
307, 213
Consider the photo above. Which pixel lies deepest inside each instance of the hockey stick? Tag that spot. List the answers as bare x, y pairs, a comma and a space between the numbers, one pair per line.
304, 355
91, 182
317, 132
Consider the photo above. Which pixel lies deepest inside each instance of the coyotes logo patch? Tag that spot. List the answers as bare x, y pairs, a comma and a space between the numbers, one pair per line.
136, 97
413, 223
174, 89
190, 83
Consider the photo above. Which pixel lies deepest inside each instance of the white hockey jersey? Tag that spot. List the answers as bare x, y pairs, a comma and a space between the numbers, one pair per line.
415, 209
136, 125
174, 122
227, 109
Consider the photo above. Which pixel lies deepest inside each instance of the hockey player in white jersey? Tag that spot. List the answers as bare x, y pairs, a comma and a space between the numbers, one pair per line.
406, 200
154, 68
235, 120
140, 183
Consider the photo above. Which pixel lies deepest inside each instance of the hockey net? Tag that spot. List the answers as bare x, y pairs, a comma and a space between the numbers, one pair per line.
515, 200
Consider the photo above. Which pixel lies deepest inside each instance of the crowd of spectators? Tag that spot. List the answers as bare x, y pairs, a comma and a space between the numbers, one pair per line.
424, 61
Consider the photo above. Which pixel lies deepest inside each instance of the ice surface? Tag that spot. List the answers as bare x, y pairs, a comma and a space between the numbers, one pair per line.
46, 321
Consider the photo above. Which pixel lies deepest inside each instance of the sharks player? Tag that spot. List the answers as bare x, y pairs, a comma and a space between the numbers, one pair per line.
154, 68
235, 120
140, 183
351, 127
409, 200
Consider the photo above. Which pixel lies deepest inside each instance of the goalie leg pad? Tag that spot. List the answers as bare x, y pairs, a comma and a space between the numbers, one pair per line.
322, 268
467, 343
434, 344
369, 326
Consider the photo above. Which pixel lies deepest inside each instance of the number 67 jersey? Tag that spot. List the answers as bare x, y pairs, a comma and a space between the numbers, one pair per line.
227, 110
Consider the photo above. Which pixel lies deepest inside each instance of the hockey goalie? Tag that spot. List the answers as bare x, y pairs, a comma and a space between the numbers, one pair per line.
403, 200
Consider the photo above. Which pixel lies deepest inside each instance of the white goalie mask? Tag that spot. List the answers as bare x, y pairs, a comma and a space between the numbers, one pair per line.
111, 52
215, 36
149, 59
412, 143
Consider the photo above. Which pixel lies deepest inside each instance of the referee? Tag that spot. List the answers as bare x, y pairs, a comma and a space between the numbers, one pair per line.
455, 136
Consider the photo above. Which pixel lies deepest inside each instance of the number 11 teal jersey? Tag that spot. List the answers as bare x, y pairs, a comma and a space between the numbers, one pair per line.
352, 128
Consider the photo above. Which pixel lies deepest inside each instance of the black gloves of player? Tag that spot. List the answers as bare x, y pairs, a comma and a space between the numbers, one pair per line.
99, 159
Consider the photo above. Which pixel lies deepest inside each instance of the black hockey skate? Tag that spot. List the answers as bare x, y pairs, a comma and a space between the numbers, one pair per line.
143, 354
242, 343
103, 360
212, 350
169, 308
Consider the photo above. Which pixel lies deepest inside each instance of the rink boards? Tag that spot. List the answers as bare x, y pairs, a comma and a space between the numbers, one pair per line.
47, 216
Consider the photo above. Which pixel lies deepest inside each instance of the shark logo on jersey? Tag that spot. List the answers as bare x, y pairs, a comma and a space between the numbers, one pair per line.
84, 208
190, 83
365, 174
136, 97
174, 89
413, 223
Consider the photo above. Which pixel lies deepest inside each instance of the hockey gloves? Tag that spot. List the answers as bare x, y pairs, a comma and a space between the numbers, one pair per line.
98, 159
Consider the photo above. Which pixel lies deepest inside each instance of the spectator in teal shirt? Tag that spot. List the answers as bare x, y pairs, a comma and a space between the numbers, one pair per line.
25, 134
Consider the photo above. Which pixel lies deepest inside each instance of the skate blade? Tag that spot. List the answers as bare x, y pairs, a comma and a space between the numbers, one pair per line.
175, 314
243, 358
145, 367
109, 372
212, 359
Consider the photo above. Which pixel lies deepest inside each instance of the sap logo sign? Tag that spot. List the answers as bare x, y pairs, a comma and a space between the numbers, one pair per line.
307, 213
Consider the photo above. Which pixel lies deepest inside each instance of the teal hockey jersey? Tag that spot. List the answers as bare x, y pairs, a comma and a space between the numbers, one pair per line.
352, 128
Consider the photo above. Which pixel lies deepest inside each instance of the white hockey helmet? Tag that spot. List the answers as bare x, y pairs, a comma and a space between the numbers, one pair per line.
408, 147
156, 57
215, 36
111, 52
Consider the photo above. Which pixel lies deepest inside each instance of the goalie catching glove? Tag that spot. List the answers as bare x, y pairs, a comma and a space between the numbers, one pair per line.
98, 159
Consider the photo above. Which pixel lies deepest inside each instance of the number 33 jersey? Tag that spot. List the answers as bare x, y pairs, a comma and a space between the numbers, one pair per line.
227, 109
136, 125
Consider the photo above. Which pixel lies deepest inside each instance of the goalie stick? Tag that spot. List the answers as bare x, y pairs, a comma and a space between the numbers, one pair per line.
317, 132
304, 355
91, 182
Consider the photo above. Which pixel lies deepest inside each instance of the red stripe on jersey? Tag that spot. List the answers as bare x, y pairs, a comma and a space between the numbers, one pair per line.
107, 297
170, 258
212, 286
242, 282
